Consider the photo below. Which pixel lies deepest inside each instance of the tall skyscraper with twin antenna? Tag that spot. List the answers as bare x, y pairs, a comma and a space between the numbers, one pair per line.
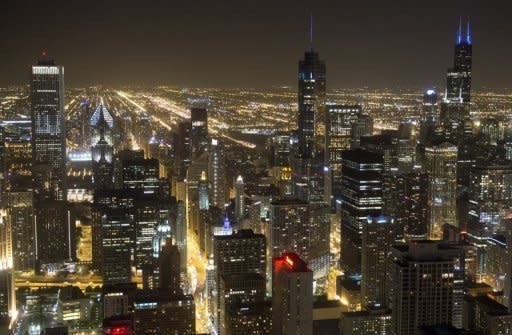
312, 87
458, 79
456, 103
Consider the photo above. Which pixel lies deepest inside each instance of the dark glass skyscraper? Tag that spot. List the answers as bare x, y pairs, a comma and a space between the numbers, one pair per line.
308, 177
430, 112
458, 78
240, 253
361, 196
429, 117
102, 148
312, 87
117, 238
199, 130
339, 123
455, 107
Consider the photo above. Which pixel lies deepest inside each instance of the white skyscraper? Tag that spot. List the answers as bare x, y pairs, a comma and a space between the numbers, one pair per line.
239, 198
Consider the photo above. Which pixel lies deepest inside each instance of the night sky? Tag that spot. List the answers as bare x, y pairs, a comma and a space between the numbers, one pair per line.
400, 43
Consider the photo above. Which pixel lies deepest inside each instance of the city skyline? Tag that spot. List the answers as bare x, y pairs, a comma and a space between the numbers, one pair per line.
232, 45
303, 209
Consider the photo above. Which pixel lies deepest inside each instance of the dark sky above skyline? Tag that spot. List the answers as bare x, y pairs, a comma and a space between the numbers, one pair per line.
400, 43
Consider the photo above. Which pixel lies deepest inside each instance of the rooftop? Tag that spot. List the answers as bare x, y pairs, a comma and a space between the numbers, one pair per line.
288, 201
239, 234
491, 306
292, 262
362, 156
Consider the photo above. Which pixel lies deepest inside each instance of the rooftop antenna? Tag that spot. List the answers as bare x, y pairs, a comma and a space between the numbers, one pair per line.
459, 32
311, 32
468, 33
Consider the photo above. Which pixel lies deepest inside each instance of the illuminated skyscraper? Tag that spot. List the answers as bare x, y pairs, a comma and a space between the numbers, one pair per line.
217, 174
5, 243
430, 111
204, 202
239, 198
429, 117
48, 130
426, 286
179, 230
410, 197
199, 146
199, 129
85, 123
340, 120
204, 205
240, 253
493, 130
312, 88
362, 127
52, 229
139, 173
156, 312
149, 214
16, 155
441, 166
377, 239
53, 232
117, 238
16, 161
7, 296
490, 195
280, 149
308, 177
195, 171
292, 296
279, 160
290, 227
20, 217
456, 104
458, 79
105, 202
507, 292
303, 228
182, 152
102, 148
239, 288
361, 196
398, 155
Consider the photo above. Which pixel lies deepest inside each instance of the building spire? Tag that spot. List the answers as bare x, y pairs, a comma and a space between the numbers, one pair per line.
311, 32
468, 33
459, 32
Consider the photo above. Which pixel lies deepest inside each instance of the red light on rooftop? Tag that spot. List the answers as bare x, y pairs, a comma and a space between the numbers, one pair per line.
117, 331
44, 53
